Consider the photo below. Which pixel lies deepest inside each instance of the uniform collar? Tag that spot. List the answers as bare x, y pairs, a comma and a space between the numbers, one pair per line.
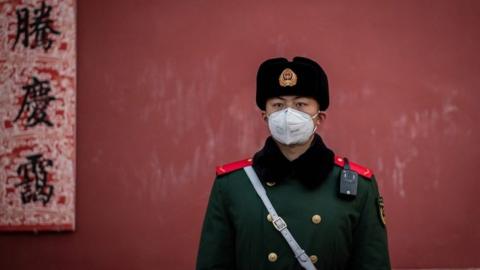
311, 168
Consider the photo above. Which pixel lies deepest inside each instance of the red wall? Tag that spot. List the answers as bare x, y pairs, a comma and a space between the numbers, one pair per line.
166, 92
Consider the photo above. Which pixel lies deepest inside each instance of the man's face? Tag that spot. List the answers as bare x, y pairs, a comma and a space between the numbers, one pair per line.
304, 104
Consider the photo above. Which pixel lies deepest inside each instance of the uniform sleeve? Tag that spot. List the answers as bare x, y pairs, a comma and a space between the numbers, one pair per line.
370, 247
217, 245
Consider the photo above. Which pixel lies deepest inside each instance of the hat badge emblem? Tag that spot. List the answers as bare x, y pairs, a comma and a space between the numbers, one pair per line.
287, 78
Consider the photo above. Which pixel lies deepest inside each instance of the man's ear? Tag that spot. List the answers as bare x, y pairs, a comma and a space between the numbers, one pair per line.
264, 115
322, 116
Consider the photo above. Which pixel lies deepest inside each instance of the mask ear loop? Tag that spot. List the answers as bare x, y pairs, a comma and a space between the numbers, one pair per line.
313, 117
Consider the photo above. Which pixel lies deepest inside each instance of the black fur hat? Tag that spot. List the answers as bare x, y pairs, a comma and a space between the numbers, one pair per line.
301, 77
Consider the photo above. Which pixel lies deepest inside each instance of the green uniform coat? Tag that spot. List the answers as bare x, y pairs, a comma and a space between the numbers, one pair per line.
350, 233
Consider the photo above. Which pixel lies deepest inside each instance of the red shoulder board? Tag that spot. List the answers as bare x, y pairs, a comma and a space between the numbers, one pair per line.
230, 167
365, 172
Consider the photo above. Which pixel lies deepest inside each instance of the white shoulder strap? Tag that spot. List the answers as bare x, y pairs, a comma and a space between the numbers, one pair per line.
278, 222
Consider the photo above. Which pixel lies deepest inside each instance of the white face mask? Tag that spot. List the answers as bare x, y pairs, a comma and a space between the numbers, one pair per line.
290, 126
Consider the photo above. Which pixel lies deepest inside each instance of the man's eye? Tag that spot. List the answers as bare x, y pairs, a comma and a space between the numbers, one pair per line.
301, 104
277, 105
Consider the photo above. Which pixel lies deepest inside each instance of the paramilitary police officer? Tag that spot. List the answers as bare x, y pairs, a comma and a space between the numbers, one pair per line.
295, 204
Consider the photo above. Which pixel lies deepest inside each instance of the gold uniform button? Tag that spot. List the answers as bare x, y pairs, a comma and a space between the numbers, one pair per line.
269, 218
270, 184
272, 257
313, 258
316, 219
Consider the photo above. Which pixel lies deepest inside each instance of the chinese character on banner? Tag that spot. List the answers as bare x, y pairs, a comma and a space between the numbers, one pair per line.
34, 180
37, 115
35, 102
40, 27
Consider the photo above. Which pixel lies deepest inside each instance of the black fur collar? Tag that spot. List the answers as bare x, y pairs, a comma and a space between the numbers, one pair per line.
311, 168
